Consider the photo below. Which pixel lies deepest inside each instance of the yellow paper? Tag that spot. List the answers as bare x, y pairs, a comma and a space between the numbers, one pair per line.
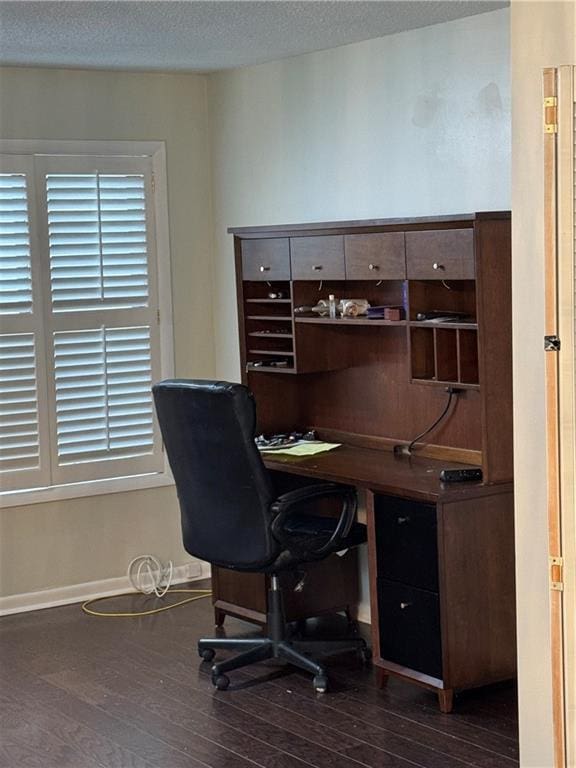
306, 449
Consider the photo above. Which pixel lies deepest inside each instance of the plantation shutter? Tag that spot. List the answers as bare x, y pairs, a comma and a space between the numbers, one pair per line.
101, 318
24, 455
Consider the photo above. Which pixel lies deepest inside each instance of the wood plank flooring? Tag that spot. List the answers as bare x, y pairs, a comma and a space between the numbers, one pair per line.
80, 692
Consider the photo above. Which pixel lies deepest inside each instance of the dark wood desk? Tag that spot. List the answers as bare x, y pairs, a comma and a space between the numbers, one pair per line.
379, 471
441, 558
441, 567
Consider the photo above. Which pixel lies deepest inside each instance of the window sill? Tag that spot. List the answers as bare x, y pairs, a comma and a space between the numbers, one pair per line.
89, 488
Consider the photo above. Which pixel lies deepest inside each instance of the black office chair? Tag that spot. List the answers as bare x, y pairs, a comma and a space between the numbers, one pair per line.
232, 517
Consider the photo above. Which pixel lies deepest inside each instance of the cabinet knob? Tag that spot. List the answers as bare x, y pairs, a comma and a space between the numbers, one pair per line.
372, 267
264, 269
317, 267
437, 266
403, 606
402, 520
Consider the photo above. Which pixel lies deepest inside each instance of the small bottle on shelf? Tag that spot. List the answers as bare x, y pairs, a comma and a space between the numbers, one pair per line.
332, 306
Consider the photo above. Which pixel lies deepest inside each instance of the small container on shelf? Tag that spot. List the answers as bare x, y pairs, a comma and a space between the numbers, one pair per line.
353, 307
332, 306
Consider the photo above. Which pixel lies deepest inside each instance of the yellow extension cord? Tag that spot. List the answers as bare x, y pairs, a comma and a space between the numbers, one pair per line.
199, 595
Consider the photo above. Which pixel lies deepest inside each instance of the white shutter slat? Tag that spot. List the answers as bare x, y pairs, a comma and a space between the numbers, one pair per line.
93, 371
15, 259
97, 240
19, 426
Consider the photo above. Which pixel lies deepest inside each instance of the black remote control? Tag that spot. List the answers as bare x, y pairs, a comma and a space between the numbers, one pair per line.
460, 475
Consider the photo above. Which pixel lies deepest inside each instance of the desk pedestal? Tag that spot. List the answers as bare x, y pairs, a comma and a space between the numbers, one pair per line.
442, 589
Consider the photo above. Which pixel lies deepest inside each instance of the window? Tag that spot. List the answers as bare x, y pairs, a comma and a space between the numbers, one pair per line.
80, 337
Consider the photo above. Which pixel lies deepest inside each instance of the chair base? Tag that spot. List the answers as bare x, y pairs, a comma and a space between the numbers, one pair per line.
300, 653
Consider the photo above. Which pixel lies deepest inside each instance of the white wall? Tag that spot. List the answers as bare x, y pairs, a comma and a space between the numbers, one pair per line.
71, 542
543, 35
411, 124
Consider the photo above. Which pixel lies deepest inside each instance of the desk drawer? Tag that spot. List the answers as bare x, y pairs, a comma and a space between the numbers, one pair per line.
267, 259
317, 258
440, 255
378, 256
406, 541
410, 627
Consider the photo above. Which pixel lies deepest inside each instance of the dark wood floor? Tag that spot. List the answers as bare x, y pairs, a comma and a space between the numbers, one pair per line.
80, 692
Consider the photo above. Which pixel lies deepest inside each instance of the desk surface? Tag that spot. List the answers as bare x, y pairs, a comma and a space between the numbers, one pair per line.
381, 471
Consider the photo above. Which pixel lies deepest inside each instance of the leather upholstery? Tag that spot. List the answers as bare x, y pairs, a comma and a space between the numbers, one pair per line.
224, 489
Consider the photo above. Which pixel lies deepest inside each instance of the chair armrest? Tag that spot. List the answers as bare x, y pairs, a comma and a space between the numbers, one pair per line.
286, 504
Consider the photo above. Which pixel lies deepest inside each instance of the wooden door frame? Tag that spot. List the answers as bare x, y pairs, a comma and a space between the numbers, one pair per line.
560, 397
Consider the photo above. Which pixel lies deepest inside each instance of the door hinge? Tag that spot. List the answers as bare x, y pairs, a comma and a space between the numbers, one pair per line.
158, 316
551, 114
556, 576
551, 344
153, 184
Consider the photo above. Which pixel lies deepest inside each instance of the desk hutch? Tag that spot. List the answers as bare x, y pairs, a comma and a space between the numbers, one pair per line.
441, 557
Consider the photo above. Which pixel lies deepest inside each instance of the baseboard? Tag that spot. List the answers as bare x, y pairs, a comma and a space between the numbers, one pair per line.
76, 593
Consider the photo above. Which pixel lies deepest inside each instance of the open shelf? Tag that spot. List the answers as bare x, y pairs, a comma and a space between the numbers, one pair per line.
270, 335
269, 320
268, 301
444, 354
439, 383
268, 369
347, 321
436, 324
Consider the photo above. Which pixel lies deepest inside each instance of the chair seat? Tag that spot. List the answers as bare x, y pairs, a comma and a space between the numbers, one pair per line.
308, 526
307, 532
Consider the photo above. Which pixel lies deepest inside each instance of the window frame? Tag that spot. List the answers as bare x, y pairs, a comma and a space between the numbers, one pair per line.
155, 151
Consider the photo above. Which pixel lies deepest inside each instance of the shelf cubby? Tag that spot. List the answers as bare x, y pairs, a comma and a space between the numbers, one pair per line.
348, 321
444, 356
468, 372
269, 327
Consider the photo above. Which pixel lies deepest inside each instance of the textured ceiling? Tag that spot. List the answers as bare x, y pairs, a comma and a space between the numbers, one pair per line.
202, 36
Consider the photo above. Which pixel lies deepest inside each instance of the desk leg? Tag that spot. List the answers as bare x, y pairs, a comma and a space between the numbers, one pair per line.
382, 677
446, 700
219, 617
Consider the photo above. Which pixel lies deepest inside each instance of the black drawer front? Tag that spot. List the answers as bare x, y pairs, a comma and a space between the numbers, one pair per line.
406, 542
410, 627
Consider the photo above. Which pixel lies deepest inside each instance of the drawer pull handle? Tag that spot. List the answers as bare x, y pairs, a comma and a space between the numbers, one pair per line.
264, 269
317, 267
372, 267
403, 606
402, 520
437, 266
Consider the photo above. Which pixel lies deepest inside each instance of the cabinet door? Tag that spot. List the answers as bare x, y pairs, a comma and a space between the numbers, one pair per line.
267, 259
442, 254
378, 256
410, 628
317, 258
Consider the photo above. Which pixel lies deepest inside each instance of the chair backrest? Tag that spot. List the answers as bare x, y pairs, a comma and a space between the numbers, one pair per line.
223, 487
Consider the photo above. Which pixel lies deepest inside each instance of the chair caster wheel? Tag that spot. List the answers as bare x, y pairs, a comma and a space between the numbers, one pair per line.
221, 682
207, 654
320, 684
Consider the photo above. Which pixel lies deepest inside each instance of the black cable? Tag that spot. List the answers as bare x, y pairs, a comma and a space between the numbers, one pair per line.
451, 393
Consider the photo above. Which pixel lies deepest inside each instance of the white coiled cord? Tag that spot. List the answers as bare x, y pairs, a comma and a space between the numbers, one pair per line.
149, 576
